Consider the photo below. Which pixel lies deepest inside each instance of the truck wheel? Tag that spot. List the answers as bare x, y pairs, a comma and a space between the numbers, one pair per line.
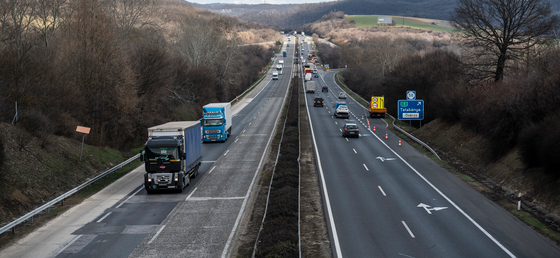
182, 187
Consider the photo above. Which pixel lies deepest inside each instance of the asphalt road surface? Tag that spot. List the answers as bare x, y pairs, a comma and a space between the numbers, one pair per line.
391, 201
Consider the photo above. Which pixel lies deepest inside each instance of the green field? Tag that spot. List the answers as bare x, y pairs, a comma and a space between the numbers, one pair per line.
371, 21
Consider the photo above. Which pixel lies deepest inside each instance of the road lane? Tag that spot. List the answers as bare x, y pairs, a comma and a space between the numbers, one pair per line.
368, 222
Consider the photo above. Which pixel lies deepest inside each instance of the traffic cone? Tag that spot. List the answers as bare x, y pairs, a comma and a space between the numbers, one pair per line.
362, 118
399, 142
374, 128
386, 135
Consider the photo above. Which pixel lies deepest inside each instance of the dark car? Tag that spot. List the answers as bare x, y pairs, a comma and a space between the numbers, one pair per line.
350, 130
342, 95
316, 75
325, 88
318, 102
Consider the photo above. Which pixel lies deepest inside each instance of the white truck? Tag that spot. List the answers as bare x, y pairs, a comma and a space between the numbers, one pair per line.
308, 76
275, 75
279, 69
310, 87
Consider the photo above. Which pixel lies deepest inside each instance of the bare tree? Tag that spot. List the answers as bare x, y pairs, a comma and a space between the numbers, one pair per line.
131, 14
49, 16
502, 30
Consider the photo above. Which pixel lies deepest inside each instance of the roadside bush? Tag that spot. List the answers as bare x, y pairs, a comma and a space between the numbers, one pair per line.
433, 76
539, 145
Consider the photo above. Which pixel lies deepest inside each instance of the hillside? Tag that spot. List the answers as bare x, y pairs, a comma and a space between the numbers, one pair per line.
294, 16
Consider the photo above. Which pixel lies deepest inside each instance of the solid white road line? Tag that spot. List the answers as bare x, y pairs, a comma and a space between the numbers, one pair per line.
211, 170
67, 245
366, 167
226, 152
191, 194
106, 215
157, 234
120, 204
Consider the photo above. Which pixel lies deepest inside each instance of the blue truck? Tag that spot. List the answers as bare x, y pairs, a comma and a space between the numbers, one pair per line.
216, 122
341, 110
284, 53
172, 155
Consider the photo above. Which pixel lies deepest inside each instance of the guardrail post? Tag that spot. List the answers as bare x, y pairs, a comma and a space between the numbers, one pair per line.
62, 202
31, 220
14, 230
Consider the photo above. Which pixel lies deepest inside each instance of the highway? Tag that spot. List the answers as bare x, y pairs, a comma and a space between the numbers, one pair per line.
124, 221
388, 201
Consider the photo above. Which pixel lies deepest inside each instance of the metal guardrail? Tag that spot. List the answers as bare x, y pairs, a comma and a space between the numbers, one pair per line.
12, 225
394, 125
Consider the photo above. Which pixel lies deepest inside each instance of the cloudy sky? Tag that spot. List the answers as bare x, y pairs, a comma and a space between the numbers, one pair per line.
258, 1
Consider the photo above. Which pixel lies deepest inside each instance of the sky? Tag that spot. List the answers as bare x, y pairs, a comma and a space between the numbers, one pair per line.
259, 1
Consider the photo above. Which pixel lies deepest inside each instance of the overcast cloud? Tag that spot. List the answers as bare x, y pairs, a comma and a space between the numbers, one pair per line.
259, 1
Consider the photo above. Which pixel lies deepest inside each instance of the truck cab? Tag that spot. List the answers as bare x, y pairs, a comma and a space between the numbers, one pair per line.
341, 109
216, 122
275, 75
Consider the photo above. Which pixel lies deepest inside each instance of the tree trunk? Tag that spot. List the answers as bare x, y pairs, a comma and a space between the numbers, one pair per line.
500, 66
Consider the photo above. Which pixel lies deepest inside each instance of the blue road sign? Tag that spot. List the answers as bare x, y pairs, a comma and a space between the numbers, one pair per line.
411, 109
411, 94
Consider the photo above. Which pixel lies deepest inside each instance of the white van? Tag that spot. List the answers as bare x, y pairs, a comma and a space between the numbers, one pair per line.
275, 75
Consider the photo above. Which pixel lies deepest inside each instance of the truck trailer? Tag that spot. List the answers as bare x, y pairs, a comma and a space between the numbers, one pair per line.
377, 107
172, 155
284, 53
310, 88
216, 122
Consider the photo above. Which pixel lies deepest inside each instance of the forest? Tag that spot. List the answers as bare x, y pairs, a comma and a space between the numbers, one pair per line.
120, 66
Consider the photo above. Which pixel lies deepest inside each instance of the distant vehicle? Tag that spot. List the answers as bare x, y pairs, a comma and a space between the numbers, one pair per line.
310, 87
342, 95
318, 102
275, 75
325, 88
308, 77
316, 75
285, 53
342, 111
377, 107
279, 69
350, 130
315, 71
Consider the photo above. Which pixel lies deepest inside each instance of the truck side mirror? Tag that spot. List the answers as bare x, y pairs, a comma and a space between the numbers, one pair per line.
141, 155
183, 155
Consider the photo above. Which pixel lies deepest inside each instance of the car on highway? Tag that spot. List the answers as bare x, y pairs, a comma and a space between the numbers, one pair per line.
325, 88
318, 102
316, 75
350, 129
342, 95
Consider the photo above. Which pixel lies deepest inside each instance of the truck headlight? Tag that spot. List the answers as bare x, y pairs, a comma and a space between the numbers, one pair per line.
176, 179
149, 179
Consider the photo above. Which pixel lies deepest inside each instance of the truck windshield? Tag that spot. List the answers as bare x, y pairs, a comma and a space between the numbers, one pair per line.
162, 153
212, 122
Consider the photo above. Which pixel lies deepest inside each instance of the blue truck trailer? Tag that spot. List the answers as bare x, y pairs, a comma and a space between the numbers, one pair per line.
284, 53
216, 122
172, 155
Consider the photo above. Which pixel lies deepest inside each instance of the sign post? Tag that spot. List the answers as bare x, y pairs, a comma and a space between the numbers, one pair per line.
84, 130
411, 108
